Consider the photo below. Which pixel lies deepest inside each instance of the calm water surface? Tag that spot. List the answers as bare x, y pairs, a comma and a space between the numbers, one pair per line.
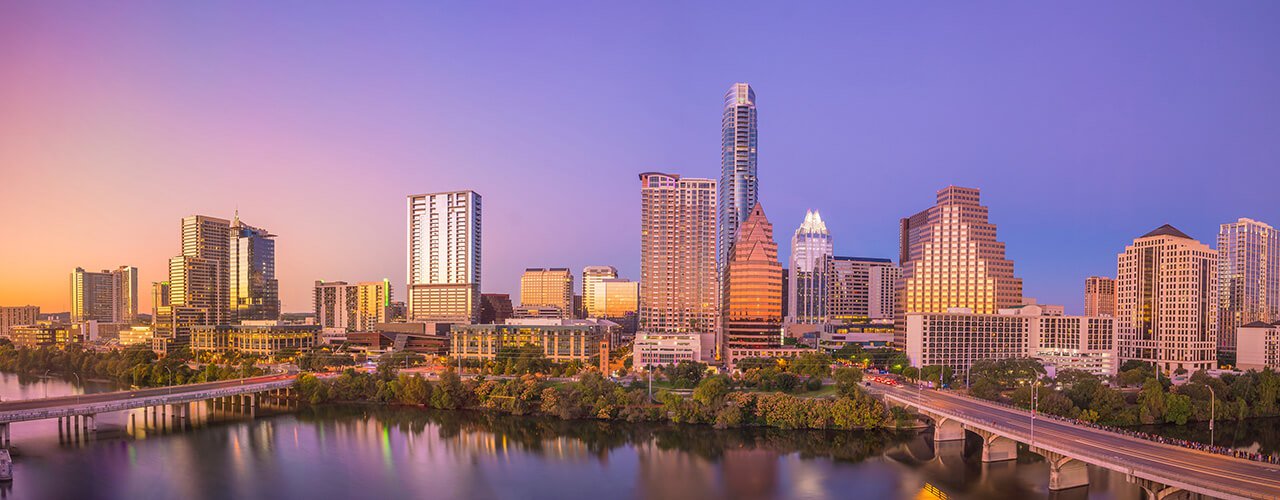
384, 453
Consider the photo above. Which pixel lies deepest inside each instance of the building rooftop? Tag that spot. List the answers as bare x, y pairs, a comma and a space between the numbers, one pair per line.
1167, 230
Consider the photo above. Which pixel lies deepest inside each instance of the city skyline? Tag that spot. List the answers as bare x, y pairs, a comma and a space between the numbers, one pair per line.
1053, 168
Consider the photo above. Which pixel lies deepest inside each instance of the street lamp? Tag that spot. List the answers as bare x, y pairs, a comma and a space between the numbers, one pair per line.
1212, 398
169, 386
1035, 405
46, 383
80, 383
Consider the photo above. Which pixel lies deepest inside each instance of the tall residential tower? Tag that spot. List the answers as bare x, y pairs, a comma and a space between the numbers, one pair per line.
106, 297
444, 256
1099, 296
738, 184
679, 288
1248, 279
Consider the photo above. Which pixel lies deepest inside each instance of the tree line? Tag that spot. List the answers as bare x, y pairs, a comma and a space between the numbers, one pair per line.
133, 366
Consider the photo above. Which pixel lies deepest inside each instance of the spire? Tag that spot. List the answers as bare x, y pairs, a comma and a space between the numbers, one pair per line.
812, 224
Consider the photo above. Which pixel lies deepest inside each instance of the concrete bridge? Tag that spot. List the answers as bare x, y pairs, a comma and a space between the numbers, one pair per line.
1161, 470
78, 411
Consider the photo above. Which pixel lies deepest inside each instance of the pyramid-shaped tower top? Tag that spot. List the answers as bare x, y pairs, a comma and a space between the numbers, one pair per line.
812, 224
1166, 230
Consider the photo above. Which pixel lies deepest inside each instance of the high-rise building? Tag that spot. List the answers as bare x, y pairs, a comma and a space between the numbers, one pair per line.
444, 257
106, 297
809, 289
11, 316
952, 259
619, 300
1166, 302
353, 308
199, 292
495, 308
861, 289
1099, 296
591, 278
255, 293
161, 310
679, 289
548, 287
753, 288
738, 182
1248, 279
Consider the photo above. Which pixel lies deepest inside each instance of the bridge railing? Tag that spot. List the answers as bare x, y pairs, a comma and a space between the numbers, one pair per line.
132, 402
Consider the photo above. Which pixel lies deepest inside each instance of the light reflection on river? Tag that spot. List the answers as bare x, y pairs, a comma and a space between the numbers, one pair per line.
355, 452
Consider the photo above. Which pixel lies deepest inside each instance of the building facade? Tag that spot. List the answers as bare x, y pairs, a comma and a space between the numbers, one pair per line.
11, 316
548, 287
46, 333
679, 289
739, 187
255, 337
861, 289
495, 308
352, 308
199, 288
1166, 302
255, 292
592, 276
619, 301
559, 343
1258, 346
1099, 296
661, 349
951, 258
444, 257
809, 289
1248, 279
752, 288
110, 296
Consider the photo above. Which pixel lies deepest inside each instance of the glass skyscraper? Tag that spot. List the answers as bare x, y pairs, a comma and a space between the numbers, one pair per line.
255, 292
809, 289
738, 184
1248, 279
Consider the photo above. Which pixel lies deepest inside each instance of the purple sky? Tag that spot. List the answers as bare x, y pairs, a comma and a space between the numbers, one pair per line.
1084, 125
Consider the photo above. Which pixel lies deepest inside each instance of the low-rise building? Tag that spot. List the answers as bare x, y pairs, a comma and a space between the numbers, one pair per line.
136, 335
733, 356
869, 335
1258, 346
11, 316
46, 333
661, 349
261, 338
559, 343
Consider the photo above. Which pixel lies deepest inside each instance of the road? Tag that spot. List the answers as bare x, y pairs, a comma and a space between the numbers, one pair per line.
1168, 464
107, 397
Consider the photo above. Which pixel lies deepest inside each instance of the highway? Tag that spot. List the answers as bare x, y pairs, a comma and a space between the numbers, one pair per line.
34, 409
1193, 470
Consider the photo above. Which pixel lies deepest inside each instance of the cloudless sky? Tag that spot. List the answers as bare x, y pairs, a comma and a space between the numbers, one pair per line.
1085, 124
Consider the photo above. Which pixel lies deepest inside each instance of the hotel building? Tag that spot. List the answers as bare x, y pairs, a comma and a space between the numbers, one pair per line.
444, 257
1166, 302
952, 259
679, 289
549, 287
107, 296
1099, 296
809, 289
1248, 280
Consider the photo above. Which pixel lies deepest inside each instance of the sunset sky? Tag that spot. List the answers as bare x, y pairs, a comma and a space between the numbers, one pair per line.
1085, 124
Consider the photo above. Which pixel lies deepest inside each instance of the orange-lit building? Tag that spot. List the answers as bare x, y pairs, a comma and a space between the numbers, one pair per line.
679, 288
753, 288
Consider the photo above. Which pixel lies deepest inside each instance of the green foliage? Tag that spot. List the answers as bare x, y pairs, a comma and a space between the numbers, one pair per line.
712, 390
1178, 409
1006, 374
137, 366
931, 373
686, 374
847, 380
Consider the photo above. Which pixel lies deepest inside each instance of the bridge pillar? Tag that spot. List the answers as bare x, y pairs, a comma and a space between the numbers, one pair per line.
1066, 473
945, 429
1152, 490
996, 448
92, 421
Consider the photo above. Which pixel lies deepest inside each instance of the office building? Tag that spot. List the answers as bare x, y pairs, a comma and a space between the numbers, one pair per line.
45, 333
352, 308
444, 257
679, 289
619, 301
809, 290
1258, 346
1167, 302
199, 288
753, 288
255, 337
591, 278
1248, 280
662, 349
738, 183
11, 316
547, 287
107, 296
867, 335
1099, 296
495, 308
959, 337
255, 292
861, 289
136, 335
558, 343
951, 258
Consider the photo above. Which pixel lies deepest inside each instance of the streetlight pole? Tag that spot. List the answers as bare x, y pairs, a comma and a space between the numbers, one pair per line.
1035, 405
80, 383
1212, 411
46, 384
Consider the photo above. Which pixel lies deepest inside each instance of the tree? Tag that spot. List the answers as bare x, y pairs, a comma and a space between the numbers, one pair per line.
847, 380
1179, 409
1151, 401
712, 390
910, 372
931, 373
686, 374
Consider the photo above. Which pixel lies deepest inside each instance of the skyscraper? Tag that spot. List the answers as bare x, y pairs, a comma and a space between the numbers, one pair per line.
255, 293
199, 292
106, 297
679, 289
808, 291
1248, 279
444, 256
753, 288
953, 259
550, 287
1099, 296
591, 278
861, 289
738, 183
1166, 301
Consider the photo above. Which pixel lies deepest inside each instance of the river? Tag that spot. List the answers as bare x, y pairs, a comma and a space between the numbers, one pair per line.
352, 452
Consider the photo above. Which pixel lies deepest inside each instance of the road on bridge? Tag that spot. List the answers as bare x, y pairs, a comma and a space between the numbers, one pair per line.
107, 397
1217, 472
